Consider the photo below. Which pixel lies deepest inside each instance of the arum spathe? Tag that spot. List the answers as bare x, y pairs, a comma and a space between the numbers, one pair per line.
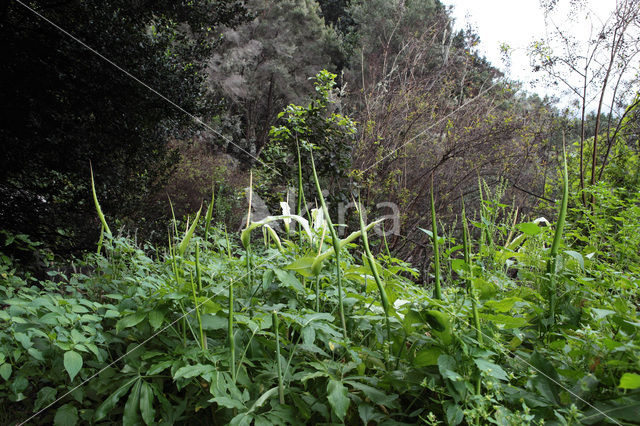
244, 236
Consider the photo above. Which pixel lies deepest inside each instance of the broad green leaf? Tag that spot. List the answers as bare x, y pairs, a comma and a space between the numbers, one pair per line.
375, 395
505, 321
529, 228
630, 381
36, 354
427, 357
192, 371
66, 415
155, 319
105, 408
447, 367
338, 397
130, 416
130, 321
368, 414
598, 314
546, 380
146, 403
289, 280
46, 396
225, 401
5, 371
455, 414
214, 322
72, 363
491, 369
577, 256
504, 305
263, 398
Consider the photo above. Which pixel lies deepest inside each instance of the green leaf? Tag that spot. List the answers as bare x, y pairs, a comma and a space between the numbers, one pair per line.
155, 319
577, 256
505, 321
105, 408
529, 228
36, 354
598, 314
630, 381
547, 379
146, 403
491, 369
504, 305
182, 248
447, 367
5, 371
337, 395
72, 363
455, 414
225, 401
66, 415
263, 398
427, 357
46, 396
191, 371
130, 415
289, 280
375, 395
214, 322
130, 321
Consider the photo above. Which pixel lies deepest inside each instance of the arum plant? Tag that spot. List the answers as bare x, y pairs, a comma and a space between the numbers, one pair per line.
336, 246
436, 251
182, 248
466, 244
374, 270
557, 238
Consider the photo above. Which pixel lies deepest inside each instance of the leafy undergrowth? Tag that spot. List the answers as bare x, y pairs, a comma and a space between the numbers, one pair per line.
142, 336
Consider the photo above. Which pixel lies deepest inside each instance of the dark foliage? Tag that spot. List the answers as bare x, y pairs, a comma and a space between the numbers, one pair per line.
64, 106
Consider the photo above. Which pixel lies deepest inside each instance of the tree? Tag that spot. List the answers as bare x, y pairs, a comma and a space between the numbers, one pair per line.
429, 104
599, 72
266, 64
64, 106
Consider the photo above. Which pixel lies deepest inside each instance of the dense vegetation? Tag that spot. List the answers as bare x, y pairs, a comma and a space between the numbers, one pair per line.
505, 291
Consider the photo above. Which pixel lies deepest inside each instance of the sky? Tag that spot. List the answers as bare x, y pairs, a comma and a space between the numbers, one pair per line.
518, 23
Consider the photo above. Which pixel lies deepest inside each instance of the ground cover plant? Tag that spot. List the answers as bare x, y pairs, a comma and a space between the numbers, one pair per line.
525, 324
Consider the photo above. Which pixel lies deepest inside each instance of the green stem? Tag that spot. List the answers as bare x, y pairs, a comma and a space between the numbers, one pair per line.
226, 238
318, 293
195, 303
232, 342
203, 334
376, 276
557, 238
336, 245
300, 190
386, 246
279, 366
466, 242
436, 251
